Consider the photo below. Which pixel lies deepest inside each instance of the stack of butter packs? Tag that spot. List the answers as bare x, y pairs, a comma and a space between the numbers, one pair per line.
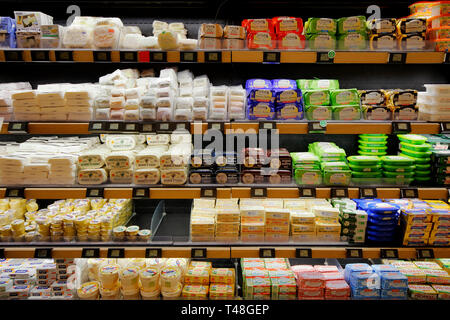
376, 281
352, 220
214, 36
348, 33
416, 148
320, 282
427, 280
202, 280
273, 99
306, 166
325, 101
425, 223
434, 103
266, 279
214, 167
382, 224
440, 158
333, 163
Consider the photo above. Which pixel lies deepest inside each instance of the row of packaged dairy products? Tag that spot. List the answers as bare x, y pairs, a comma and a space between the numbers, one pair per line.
122, 158
434, 103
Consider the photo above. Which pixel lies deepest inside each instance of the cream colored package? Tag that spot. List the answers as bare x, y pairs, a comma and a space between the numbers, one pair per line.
174, 176
92, 176
204, 203
147, 176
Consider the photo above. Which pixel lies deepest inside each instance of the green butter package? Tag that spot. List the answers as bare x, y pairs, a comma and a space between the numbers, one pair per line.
367, 168
415, 147
372, 153
308, 177
364, 160
304, 158
373, 149
321, 41
315, 84
352, 41
369, 144
341, 97
352, 24
375, 174
318, 112
346, 112
398, 175
337, 177
391, 168
317, 97
373, 137
416, 160
320, 25
415, 154
397, 161
334, 165
412, 138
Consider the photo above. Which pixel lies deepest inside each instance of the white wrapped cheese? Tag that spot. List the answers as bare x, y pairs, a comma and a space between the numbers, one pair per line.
92, 176
124, 176
174, 176
146, 176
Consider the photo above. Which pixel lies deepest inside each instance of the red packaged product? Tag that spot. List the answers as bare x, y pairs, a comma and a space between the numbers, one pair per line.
288, 24
308, 293
259, 40
323, 269
291, 40
333, 276
312, 280
302, 268
258, 25
337, 289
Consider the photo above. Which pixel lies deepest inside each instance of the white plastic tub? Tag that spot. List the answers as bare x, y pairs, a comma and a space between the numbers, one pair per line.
425, 97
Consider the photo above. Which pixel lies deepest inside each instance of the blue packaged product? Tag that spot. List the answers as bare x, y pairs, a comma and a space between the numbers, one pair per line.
382, 228
380, 239
289, 111
364, 204
355, 268
394, 294
260, 111
381, 223
379, 234
7, 33
365, 293
393, 280
383, 208
359, 280
381, 268
382, 217
259, 90
286, 91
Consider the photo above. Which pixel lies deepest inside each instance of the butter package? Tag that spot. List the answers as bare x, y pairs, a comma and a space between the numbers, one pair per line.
174, 176
302, 217
320, 25
383, 25
260, 111
355, 24
228, 174
339, 97
7, 32
259, 90
314, 84
376, 112
210, 30
288, 24
352, 41
346, 112
383, 42
233, 32
308, 176
289, 111
197, 276
422, 292
316, 97
258, 25
411, 25
285, 91
443, 291
321, 41
401, 97
416, 41
201, 176
291, 40
261, 40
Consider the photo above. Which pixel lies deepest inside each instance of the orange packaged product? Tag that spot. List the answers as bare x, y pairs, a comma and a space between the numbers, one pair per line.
234, 32
441, 44
261, 40
288, 24
440, 8
439, 33
291, 40
258, 25
438, 21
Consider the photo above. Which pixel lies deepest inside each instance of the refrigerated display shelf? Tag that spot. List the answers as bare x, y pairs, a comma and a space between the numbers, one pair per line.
239, 191
64, 55
237, 127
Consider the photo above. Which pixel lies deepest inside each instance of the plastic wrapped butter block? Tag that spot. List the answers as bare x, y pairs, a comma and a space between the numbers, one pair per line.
318, 112
321, 41
92, 176
320, 25
349, 41
353, 24
174, 176
23, 94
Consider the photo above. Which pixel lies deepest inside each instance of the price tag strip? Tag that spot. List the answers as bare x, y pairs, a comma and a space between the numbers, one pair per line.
303, 253
90, 253
267, 252
307, 192
208, 193
258, 192
153, 253
43, 253
354, 253
116, 253
199, 253
389, 253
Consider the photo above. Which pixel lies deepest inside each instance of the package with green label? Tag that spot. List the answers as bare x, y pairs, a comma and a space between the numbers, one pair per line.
351, 24
339, 97
415, 147
346, 112
372, 148
374, 174
392, 168
412, 138
373, 137
320, 25
420, 173
397, 161
414, 154
337, 177
318, 112
308, 176
372, 153
316, 97
398, 175
334, 165
364, 160
327, 151
301, 158
321, 41
313, 84
365, 168
416, 160
352, 41
369, 144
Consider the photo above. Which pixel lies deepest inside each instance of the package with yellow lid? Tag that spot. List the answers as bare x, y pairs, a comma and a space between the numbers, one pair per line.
170, 278
93, 266
222, 275
155, 262
139, 263
197, 276
150, 295
31, 205
200, 264
172, 295
109, 276
129, 278
221, 291
149, 278
110, 294
89, 291
195, 291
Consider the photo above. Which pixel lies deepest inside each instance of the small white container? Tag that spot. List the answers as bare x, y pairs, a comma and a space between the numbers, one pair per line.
438, 89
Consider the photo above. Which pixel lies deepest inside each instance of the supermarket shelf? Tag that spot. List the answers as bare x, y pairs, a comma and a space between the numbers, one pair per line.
219, 252
238, 127
217, 56
236, 191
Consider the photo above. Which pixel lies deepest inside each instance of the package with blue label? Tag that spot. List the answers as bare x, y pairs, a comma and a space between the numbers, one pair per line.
394, 294
362, 280
288, 99
7, 32
260, 110
393, 280
382, 268
365, 293
355, 268
259, 90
